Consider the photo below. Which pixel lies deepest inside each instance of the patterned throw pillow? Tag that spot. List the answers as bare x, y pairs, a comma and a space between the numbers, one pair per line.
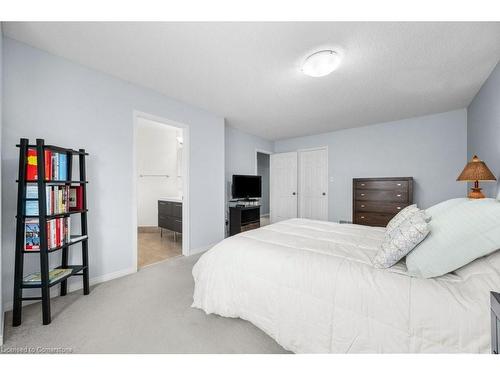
402, 240
402, 215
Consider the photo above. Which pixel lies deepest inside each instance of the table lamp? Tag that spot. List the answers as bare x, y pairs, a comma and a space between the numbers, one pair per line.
475, 171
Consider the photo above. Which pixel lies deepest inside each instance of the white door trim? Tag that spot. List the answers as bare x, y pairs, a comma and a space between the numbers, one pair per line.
299, 193
257, 151
185, 180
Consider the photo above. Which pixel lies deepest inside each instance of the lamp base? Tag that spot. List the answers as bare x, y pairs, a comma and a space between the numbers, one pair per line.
476, 193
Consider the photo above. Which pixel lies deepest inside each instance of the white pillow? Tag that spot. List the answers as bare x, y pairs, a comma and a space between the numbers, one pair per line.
444, 206
402, 240
458, 235
400, 217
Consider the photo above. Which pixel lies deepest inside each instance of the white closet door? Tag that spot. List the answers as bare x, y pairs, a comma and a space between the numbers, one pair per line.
313, 184
283, 177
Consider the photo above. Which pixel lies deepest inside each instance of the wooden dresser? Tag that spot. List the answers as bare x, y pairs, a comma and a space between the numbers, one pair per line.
377, 200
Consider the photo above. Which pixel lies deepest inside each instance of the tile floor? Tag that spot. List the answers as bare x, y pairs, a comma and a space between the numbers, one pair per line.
154, 248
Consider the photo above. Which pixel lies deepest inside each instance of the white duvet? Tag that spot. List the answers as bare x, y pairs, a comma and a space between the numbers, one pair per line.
312, 287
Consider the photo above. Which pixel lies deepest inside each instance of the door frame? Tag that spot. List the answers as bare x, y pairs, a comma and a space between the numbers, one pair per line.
185, 180
299, 193
261, 151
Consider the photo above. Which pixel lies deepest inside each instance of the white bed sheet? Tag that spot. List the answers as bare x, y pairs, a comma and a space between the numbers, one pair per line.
312, 287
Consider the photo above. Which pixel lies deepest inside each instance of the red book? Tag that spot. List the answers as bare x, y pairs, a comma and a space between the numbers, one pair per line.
31, 169
48, 164
58, 232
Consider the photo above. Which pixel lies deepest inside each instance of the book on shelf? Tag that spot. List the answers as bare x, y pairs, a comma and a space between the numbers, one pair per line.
31, 234
56, 165
58, 233
56, 197
31, 167
55, 274
76, 198
32, 191
32, 208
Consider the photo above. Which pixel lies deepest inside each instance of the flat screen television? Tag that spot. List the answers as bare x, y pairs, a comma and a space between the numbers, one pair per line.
246, 186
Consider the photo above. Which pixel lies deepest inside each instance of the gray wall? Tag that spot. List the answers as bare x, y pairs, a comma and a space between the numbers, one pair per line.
263, 170
483, 129
432, 149
49, 97
1, 117
241, 155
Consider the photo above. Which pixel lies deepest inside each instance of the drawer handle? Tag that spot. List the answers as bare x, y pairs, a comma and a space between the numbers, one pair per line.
398, 208
362, 194
399, 184
398, 195
362, 184
362, 206
362, 217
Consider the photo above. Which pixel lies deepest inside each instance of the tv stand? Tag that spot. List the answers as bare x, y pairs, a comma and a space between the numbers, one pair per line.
244, 218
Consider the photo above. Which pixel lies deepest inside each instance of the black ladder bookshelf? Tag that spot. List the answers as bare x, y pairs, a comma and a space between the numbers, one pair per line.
43, 217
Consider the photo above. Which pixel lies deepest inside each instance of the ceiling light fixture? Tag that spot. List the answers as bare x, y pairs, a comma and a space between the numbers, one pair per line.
321, 63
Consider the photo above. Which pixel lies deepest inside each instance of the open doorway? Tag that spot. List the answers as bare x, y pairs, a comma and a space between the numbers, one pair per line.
263, 170
160, 170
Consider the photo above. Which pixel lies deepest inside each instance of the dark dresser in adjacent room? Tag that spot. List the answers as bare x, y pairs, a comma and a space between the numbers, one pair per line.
377, 200
170, 215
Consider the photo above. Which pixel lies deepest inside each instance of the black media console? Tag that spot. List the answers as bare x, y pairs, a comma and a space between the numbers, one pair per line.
242, 219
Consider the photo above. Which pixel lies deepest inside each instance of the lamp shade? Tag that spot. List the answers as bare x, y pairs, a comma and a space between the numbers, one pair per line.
476, 170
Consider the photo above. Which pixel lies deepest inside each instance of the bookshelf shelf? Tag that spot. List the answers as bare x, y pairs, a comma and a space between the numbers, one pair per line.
59, 149
40, 160
56, 182
51, 250
54, 216
75, 271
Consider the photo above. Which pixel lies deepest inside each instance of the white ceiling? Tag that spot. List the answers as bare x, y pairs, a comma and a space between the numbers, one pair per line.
250, 72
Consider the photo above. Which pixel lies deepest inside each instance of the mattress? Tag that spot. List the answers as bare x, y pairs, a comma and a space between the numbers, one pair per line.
311, 286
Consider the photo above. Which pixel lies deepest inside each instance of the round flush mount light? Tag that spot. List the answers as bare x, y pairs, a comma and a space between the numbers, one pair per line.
321, 63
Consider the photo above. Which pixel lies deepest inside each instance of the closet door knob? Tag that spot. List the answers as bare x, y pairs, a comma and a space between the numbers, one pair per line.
293, 193
324, 193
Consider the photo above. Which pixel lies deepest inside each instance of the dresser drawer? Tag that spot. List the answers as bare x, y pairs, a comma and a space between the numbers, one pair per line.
381, 195
176, 210
165, 208
176, 225
382, 207
372, 218
382, 185
164, 221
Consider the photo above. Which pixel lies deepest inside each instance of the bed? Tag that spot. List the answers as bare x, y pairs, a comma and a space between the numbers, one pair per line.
312, 287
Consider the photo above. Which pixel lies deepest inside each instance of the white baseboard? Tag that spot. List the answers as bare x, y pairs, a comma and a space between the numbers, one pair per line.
77, 285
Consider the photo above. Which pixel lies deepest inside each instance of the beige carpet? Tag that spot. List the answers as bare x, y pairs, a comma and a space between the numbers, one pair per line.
147, 312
